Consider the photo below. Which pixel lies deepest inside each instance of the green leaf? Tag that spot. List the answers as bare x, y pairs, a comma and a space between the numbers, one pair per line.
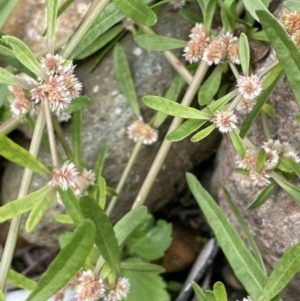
102, 192
76, 136
263, 196
185, 129
269, 84
142, 266
210, 296
246, 230
203, 4
152, 243
284, 165
77, 104
172, 108
220, 103
99, 163
262, 155
203, 133
209, 12
137, 11
292, 190
220, 291
268, 109
7, 78
106, 240
190, 16
3, 91
6, 8
128, 223
52, 8
238, 143
24, 54
142, 284
66, 264
228, 15
64, 219
100, 42
19, 206
210, 87
71, 203
20, 281
108, 18
17, 154
297, 118
284, 271
244, 53
124, 77
292, 5
287, 52
158, 43
239, 257
295, 166
37, 213
2, 297
198, 292
172, 94
253, 5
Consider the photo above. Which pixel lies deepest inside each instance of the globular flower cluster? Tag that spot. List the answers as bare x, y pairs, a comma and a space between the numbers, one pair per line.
91, 288
200, 46
274, 150
177, 4
140, 130
68, 176
291, 21
58, 84
225, 121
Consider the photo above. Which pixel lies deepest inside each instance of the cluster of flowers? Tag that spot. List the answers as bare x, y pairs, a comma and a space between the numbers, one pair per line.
177, 4
274, 150
200, 46
140, 130
67, 176
57, 84
91, 288
291, 21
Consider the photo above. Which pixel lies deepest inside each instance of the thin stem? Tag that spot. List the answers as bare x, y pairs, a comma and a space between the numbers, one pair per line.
61, 136
124, 176
9, 125
172, 59
166, 145
50, 130
82, 30
265, 125
234, 103
24, 189
268, 69
234, 70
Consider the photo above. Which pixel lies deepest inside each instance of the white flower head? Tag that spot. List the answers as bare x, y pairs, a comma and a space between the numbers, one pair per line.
249, 86
177, 4
52, 63
246, 105
259, 179
215, 52
225, 121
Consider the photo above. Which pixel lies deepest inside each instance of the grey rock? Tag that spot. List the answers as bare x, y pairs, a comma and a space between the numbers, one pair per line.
105, 122
276, 224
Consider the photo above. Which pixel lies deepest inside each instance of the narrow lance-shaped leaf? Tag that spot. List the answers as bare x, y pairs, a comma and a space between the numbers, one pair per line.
210, 87
17, 154
52, 8
210, 296
6, 9
8, 78
37, 213
239, 257
190, 16
198, 292
253, 5
66, 264
102, 192
209, 12
263, 196
293, 5
262, 155
137, 11
244, 53
286, 268
268, 109
203, 133
17, 207
106, 240
174, 109
78, 104
158, 43
220, 291
238, 143
20, 280
142, 266
23, 54
2, 297
100, 163
287, 52
124, 77
76, 136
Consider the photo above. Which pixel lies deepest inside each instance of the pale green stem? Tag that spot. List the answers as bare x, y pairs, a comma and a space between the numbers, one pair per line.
61, 136
50, 130
166, 144
24, 189
234, 70
172, 59
9, 125
268, 69
130, 163
265, 125
82, 30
